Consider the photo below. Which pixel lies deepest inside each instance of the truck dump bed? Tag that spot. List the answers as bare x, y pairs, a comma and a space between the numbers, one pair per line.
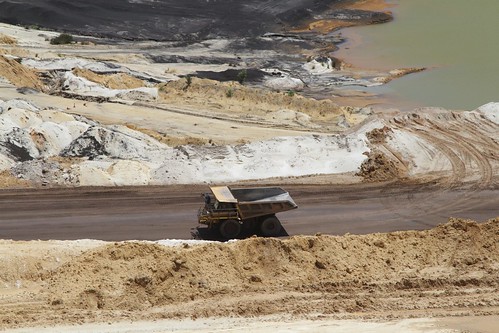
254, 202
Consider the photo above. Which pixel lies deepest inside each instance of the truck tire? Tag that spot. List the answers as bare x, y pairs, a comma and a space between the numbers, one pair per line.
230, 229
271, 227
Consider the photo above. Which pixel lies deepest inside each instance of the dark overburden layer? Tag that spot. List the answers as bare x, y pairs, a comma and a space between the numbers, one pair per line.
162, 19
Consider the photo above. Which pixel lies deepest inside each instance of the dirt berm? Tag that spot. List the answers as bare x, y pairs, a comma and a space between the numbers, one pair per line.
453, 268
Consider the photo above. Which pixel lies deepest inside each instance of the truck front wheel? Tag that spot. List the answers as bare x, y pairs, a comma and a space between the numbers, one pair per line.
230, 229
271, 227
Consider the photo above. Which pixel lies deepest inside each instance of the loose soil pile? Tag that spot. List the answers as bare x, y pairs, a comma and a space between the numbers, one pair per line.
377, 275
234, 98
19, 75
4, 39
112, 81
377, 167
7, 180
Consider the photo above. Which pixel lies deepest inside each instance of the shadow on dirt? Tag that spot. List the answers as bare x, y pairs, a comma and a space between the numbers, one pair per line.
204, 233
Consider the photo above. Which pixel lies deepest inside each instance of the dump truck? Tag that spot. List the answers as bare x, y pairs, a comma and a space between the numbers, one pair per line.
243, 212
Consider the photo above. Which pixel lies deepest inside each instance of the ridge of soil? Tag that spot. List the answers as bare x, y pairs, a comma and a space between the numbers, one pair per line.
451, 269
20, 75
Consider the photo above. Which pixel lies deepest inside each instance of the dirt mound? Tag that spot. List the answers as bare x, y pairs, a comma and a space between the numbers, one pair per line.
111, 81
453, 268
8, 180
234, 98
4, 39
378, 135
136, 276
378, 167
19, 75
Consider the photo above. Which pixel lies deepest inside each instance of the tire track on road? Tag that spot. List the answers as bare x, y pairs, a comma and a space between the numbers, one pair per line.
458, 166
461, 153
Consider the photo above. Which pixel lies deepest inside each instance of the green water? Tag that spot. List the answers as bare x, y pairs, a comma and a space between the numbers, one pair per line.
458, 40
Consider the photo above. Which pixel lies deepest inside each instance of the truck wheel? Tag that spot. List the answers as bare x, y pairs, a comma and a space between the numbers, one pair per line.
271, 227
230, 229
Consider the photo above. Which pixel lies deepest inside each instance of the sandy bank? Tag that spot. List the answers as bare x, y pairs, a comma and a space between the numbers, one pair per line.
451, 269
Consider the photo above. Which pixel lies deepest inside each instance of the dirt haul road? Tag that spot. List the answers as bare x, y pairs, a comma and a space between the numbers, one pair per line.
152, 213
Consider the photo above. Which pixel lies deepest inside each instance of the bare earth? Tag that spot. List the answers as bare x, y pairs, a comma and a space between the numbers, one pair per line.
451, 270
389, 172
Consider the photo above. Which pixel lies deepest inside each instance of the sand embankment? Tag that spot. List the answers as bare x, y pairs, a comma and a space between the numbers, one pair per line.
451, 269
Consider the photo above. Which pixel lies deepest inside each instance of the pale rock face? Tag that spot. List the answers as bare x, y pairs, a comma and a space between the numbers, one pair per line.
75, 128
83, 86
67, 64
50, 138
490, 111
17, 103
99, 67
118, 155
5, 163
31, 134
178, 170
107, 173
18, 145
319, 67
92, 173
6, 124
22, 118
100, 141
278, 157
42, 171
126, 172
285, 83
